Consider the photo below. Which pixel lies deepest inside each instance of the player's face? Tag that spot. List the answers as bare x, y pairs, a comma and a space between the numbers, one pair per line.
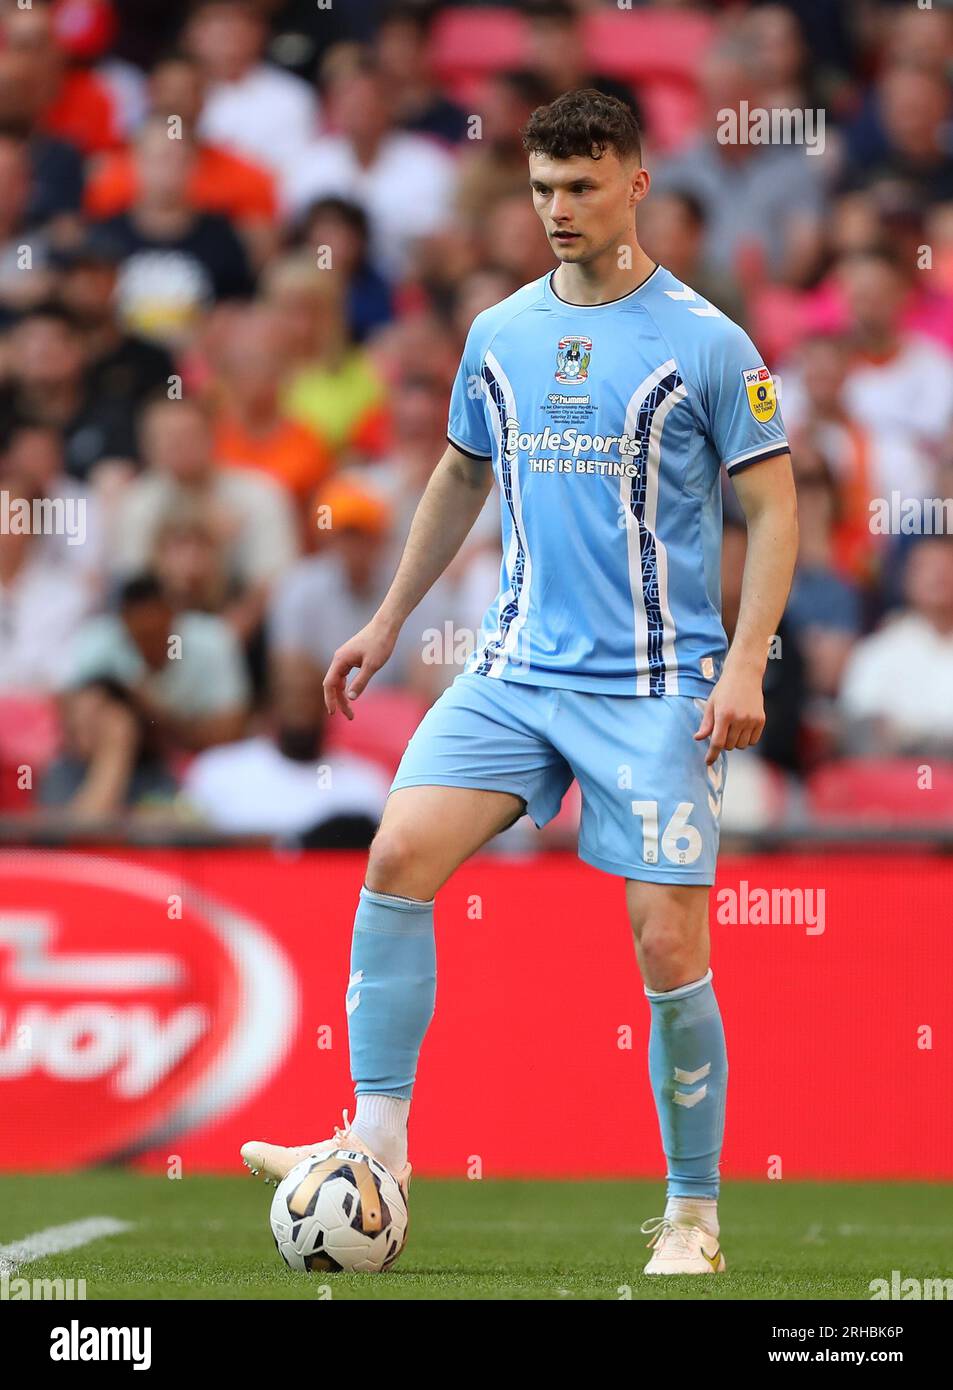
586, 205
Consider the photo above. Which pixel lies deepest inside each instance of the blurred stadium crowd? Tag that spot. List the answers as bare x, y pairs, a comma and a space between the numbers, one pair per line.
241, 243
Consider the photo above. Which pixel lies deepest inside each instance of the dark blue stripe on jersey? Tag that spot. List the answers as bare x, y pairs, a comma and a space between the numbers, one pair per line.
493, 649
648, 551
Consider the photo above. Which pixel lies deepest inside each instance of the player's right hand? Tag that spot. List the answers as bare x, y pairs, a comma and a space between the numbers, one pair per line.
367, 650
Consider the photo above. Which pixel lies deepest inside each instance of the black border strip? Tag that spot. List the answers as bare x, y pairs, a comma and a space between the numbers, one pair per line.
739, 467
571, 303
481, 458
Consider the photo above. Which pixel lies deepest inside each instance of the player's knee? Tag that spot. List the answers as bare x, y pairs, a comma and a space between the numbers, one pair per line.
389, 859
668, 950
396, 864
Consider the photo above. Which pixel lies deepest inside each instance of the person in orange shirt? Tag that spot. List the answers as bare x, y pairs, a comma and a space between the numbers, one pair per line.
830, 430
252, 430
76, 106
220, 182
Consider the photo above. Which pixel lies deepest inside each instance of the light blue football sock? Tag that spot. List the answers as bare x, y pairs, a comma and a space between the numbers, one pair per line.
688, 1068
390, 995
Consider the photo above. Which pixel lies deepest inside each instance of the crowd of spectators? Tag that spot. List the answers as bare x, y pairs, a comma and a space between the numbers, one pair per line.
241, 243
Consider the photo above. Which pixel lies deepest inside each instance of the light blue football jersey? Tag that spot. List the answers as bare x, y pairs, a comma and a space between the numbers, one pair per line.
607, 426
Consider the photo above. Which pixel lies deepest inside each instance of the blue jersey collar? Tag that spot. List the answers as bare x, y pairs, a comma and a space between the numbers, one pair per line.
566, 307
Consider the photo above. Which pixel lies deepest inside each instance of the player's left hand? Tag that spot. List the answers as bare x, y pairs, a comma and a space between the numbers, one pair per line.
734, 712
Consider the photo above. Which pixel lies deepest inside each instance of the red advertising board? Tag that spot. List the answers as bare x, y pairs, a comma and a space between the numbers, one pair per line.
182, 1002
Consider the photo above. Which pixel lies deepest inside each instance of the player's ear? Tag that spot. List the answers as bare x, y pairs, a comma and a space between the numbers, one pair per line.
641, 181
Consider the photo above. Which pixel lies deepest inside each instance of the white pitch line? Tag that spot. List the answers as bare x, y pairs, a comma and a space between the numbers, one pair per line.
55, 1239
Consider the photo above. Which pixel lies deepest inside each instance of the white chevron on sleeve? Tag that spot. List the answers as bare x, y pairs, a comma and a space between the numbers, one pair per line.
688, 296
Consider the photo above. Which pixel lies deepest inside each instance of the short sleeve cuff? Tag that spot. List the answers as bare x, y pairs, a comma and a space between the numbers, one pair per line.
758, 455
470, 453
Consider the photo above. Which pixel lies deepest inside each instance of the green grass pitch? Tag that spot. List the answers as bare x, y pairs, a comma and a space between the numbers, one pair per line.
208, 1238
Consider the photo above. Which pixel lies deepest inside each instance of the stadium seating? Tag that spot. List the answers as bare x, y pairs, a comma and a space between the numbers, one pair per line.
777, 320
656, 51
29, 737
633, 46
889, 792
648, 45
384, 722
476, 42
671, 114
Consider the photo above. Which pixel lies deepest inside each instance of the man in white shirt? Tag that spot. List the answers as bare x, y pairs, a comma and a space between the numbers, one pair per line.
251, 514
899, 383
404, 182
282, 783
897, 691
871, 461
186, 671
253, 108
41, 604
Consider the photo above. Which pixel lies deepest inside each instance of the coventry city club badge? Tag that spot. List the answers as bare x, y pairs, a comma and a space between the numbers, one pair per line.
572, 359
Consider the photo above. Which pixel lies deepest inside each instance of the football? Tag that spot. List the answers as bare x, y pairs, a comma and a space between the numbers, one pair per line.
339, 1212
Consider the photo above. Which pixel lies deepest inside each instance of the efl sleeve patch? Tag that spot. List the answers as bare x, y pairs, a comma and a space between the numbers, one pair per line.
762, 397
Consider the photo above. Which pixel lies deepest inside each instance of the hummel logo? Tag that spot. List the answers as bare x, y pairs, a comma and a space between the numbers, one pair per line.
687, 296
688, 1099
716, 777
350, 1003
689, 1078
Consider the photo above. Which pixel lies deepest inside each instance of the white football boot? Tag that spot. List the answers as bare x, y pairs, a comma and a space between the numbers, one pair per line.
681, 1249
273, 1162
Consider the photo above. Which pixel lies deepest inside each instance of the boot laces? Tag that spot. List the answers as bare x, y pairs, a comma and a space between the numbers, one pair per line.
662, 1230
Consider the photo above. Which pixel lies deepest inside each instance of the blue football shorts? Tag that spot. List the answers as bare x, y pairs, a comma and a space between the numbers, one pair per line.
650, 806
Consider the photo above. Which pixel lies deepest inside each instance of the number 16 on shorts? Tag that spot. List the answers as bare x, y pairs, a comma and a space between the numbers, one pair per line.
680, 842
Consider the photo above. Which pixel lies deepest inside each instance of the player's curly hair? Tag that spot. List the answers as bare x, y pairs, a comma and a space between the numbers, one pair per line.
585, 122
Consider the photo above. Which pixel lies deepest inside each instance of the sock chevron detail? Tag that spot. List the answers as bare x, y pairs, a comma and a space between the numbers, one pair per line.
393, 959
690, 1098
351, 1001
688, 1078
686, 1026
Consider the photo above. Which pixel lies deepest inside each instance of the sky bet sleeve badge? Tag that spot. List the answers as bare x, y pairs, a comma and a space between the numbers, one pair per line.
762, 400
